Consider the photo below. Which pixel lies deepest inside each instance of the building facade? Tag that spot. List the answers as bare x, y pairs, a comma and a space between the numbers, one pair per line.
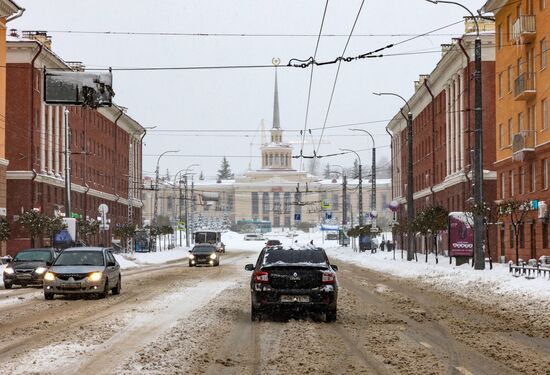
105, 147
522, 134
275, 193
9, 10
443, 129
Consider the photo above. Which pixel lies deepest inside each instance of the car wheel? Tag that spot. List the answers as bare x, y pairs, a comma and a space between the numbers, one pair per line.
255, 315
7, 285
330, 315
118, 287
105, 290
191, 265
48, 296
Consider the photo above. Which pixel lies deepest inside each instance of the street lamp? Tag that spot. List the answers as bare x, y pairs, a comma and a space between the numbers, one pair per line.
410, 197
155, 210
360, 186
373, 168
344, 195
479, 258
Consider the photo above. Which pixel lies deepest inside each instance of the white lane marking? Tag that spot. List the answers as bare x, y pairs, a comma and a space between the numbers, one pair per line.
425, 344
463, 371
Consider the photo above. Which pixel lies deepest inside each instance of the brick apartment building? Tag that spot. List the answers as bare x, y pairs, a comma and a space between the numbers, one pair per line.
443, 123
522, 133
104, 142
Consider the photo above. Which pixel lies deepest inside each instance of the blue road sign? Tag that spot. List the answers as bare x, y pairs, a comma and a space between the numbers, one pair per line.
297, 217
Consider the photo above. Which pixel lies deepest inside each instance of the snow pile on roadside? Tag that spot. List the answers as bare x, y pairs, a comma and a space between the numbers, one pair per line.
462, 280
146, 259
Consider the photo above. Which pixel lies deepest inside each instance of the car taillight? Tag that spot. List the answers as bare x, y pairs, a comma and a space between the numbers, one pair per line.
261, 277
329, 278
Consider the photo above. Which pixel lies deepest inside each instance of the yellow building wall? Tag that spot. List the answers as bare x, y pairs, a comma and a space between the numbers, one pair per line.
508, 55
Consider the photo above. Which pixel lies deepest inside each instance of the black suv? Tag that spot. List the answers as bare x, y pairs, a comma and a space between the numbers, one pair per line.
204, 254
28, 267
293, 279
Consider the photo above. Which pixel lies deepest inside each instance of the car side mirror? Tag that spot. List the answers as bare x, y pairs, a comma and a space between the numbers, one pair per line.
49, 263
111, 264
334, 267
249, 267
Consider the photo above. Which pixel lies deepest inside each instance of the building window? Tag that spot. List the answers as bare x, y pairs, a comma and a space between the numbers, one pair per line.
286, 206
545, 235
276, 203
512, 190
543, 53
521, 180
512, 236
521, 229
520, 122
500, 35
510, 26
502, 186
500, 136
542, 4
545, 174
544, 113
265, 206
533, 179
255, 204
510, 79
500, 84
510, 131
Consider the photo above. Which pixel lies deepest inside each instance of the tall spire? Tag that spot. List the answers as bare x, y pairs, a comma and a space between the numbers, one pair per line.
276, 118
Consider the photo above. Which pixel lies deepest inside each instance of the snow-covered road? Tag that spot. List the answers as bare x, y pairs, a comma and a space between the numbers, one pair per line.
172, 319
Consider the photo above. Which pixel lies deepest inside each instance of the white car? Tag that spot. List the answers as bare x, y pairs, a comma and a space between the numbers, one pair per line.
254, 237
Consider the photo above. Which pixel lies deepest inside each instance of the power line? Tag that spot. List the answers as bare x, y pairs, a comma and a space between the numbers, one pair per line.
336, 77
311, 82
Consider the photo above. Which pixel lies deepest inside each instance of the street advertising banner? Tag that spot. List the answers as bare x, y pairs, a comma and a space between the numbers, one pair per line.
461, 234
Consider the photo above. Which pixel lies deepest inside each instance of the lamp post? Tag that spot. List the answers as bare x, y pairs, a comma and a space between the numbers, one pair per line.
155, 210
360, 186
410, 192
373, 173
479, 256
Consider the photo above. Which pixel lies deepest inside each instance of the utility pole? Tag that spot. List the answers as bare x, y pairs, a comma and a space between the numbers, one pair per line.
179, 213
360, 203
68, 208
344, 201
410, 188
187, 243
192, 201
373, 171
157, 178
479, 225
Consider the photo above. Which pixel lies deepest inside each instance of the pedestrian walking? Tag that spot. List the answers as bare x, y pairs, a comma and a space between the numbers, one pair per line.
382, 245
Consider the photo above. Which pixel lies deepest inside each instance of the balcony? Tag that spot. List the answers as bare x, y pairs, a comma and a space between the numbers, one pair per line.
523, 145
524, 30
524, 86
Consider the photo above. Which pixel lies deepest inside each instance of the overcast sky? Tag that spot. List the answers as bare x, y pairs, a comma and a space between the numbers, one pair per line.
235, 101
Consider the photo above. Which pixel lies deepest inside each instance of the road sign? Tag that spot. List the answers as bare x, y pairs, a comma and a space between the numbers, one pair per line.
297, 217
328, 215
103, 208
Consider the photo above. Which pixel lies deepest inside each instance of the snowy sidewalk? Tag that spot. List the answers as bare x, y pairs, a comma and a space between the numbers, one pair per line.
462, 280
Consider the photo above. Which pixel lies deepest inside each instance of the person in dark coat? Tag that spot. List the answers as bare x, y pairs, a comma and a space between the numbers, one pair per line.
382, 245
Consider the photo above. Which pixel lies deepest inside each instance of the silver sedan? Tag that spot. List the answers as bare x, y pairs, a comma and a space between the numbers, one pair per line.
83, 270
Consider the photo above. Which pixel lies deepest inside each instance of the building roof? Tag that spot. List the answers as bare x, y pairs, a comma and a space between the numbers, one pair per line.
492, 5
9, 7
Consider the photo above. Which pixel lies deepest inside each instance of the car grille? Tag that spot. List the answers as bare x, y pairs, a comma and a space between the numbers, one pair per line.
24, 270
75, 276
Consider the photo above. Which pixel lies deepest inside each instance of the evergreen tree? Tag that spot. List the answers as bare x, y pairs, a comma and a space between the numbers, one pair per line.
326, 172
224, 173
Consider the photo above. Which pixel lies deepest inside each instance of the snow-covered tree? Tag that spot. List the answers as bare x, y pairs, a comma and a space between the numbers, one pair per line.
224, 173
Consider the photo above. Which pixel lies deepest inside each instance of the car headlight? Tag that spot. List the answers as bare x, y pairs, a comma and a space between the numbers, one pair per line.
49, 276
96, 276
191, 256
9, 271
40, 270
213, 256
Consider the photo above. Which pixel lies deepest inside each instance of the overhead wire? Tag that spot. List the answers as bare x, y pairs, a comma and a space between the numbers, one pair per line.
336, 78
311, 82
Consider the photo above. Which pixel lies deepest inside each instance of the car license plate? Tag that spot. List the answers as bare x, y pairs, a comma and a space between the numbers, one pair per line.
285, 298
70, 285
24, 276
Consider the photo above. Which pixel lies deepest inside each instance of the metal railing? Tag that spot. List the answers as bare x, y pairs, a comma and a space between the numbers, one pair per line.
524, 83
524, 25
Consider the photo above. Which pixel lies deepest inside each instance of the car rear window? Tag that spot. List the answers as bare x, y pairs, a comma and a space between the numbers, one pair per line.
282, 256
273, 242
80, 258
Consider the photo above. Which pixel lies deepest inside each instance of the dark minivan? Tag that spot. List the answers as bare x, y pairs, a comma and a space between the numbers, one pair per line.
293, 279
28, 267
